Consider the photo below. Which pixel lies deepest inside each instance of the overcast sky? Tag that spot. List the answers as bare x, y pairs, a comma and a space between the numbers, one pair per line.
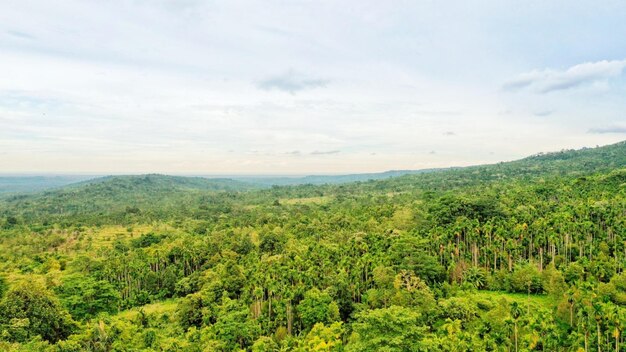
304, 87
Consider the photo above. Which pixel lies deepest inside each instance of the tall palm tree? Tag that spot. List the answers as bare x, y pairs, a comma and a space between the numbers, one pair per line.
516, 313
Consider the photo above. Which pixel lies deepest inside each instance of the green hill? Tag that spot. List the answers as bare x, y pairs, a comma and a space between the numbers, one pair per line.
566, 163
328, 179
528, 253
115, 198
118, 197
29, 184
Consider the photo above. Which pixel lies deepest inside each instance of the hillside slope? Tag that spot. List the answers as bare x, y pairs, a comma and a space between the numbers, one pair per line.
129, 197
527, 254
119, 196
329, 179
542, 166
29, 184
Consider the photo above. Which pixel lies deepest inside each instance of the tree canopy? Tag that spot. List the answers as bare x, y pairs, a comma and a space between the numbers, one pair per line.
520, 256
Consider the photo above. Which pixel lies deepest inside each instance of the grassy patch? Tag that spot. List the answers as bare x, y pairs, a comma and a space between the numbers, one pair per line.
158, 309
545, 301
308, 200
105, 237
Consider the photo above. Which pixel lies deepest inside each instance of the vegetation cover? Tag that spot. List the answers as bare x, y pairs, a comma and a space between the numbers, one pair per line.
520, 256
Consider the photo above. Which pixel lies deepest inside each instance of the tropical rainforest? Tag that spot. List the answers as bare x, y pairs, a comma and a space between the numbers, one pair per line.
526, 255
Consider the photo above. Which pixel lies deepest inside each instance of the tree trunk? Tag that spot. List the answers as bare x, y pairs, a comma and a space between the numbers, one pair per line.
495, 260
515, 332
599, 340
289, 318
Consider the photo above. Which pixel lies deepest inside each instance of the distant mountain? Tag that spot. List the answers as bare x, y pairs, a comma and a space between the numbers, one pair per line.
328, 179
576, 161
562, 163
565, 163
160, 195
13, 185
120, 196
157, 182
30, 184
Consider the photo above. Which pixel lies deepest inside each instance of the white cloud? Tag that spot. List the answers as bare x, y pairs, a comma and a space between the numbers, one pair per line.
609, 129
550, 80
291, 82
161, 86
542, 113
325, 152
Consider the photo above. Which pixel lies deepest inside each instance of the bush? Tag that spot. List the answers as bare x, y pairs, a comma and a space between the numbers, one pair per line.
85, 296
4, 286
317, 307
525, 278
29, 310
574, 273
498, 281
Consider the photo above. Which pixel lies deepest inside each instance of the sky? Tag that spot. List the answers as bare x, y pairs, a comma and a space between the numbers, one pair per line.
304, 87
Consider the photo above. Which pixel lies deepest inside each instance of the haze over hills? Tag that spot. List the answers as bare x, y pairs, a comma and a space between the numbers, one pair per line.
180, 261
25, 184
306, 176
567, 161
120, 196
31, 184
327, 179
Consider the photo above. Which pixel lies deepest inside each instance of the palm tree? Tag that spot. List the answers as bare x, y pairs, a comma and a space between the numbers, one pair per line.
475, 276
516, 312
570, 299
612, 317
597, 315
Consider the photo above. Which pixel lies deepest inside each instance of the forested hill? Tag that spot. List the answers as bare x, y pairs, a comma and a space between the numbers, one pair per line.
570, 162
158, 183
329, 179
116, 197
128, 198
542, 166
520, 256
29, 184
565, 162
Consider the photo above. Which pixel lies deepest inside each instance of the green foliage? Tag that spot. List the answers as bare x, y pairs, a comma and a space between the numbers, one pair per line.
317, 307
553, 282
526, 278
399, 264
29, 309
146, 240
190, 311
476, 277
412, 253
324, 338
233, 328
461, 309
387, 329
4, 286
449, 208
85, 296
264, 344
